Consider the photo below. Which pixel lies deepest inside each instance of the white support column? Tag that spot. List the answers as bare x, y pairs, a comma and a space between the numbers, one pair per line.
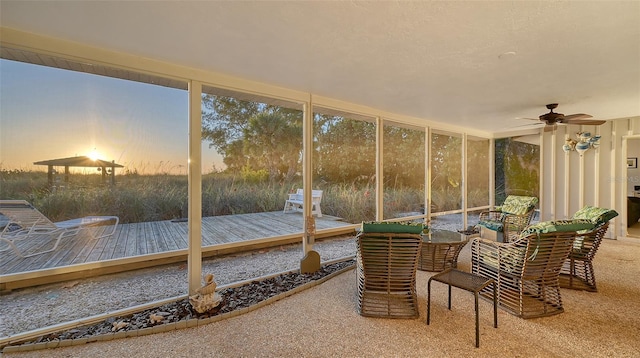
619, 226
427, 173
541, 183
463, 171
307, 175
310, 262
596, 173
567, 177
194, 260
554, 183
492, 172
379, 171
581, 174
624, 179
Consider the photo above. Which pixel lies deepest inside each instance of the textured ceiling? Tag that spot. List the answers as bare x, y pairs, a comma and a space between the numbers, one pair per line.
476, 64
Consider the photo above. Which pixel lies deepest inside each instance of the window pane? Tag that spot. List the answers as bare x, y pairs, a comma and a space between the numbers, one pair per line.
517, 169
255, 150
404, 168
477, 172
134, 135
344, 168
446, 170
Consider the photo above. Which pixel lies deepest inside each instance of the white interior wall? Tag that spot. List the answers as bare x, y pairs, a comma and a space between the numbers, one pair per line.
599, 178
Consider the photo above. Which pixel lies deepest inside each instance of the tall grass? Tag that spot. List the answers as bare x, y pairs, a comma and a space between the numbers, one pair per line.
140, 198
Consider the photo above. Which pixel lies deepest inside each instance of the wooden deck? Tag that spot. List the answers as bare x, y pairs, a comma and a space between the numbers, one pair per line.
148, 244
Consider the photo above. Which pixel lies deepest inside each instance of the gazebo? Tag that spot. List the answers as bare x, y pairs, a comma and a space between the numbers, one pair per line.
80, 161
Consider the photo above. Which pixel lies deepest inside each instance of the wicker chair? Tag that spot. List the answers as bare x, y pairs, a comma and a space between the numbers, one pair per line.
505, 222
386, 274
527, 269
577, 271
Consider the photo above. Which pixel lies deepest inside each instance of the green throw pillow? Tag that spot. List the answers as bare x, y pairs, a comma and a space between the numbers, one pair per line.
518, 205
557, 226
392, 227
595, 214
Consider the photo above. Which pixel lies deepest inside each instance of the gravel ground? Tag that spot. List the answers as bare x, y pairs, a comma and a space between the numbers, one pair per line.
43, 306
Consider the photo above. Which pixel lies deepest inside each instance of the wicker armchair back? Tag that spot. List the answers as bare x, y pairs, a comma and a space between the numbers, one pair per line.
526, 271
386, 274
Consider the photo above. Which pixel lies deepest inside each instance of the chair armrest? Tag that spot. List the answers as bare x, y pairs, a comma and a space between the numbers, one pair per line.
491, 215
513, 226
494, 256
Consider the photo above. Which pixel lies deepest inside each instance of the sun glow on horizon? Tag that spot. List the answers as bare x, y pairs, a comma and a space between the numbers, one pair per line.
94, 155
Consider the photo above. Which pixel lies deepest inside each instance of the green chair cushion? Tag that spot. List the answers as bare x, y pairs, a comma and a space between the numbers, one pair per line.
492, 225
518, 205
557, 226
510, 261
595, 214
392, 227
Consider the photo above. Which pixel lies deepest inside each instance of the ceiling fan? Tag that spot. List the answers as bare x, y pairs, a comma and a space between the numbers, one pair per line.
552, 119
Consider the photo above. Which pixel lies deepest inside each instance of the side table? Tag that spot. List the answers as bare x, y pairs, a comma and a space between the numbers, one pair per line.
468, 282
440, 250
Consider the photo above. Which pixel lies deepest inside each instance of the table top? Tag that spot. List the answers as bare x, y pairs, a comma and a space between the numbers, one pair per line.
464, 280
444, 237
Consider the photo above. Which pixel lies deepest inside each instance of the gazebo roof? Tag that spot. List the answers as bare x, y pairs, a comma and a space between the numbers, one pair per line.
81, 161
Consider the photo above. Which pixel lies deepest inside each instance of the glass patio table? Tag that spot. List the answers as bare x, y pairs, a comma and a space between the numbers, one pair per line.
440, 250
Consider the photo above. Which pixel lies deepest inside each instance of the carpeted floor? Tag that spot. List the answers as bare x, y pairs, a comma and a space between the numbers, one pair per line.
323, 322
634, 230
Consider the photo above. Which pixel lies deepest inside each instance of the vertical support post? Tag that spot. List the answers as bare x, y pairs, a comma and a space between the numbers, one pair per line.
311, 260
542, 202
492, 172
379, 170
50, 175
307, 174
113, 174
567, 176
427, 175
194, 250
463, 171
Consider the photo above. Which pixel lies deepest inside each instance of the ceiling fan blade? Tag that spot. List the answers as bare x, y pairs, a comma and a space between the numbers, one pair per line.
577, 116
585, 122
530, 125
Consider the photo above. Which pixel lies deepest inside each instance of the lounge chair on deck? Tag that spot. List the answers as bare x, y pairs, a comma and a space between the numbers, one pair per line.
25, 222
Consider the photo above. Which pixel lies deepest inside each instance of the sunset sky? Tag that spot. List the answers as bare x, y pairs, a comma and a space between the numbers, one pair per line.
48, 113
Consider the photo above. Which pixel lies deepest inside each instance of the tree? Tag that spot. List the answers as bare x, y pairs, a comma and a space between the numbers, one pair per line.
403, 156
274, 143
253, 135
344, 149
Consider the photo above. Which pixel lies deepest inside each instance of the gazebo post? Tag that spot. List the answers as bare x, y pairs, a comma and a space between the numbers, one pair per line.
50, 175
